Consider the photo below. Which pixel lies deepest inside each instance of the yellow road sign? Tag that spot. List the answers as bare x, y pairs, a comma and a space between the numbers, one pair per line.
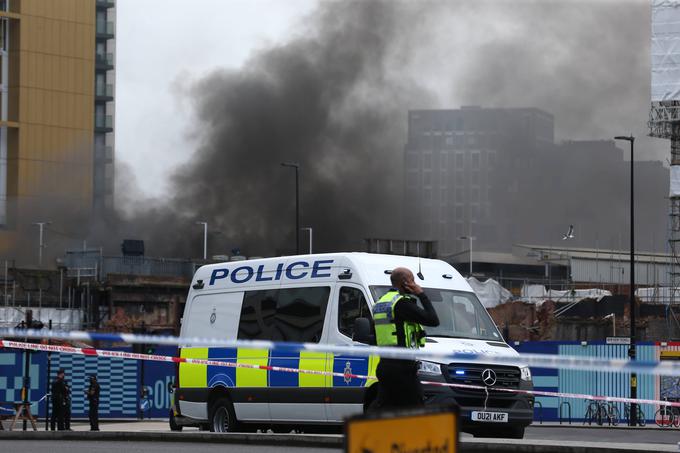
432, 430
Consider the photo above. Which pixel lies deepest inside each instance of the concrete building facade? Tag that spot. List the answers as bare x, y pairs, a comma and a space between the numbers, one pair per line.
452, 159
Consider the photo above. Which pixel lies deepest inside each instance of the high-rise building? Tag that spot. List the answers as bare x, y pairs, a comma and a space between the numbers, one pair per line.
453, 163
496, 175
104, 107
56, 119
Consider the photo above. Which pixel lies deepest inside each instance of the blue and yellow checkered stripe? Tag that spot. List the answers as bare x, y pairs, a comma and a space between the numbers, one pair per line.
206, 376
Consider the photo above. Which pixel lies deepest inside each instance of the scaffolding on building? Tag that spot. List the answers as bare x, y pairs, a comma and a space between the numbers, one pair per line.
664, 122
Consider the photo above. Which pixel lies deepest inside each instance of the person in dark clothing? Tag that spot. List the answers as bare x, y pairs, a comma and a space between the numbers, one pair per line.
398, 322
93, 398
59, 391
67, 407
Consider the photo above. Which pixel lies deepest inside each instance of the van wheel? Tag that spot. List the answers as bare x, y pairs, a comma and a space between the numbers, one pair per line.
173, 423
222, 417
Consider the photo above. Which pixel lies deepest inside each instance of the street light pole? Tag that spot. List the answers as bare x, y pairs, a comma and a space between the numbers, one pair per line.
631, 351
470, 239
205, 238
296, 166
310, 238
41, 225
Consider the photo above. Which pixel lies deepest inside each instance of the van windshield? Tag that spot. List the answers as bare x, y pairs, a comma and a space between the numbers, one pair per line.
460, 313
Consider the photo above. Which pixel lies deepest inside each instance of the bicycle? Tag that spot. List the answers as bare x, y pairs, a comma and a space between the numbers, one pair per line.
667, 416
599, 411
641, 419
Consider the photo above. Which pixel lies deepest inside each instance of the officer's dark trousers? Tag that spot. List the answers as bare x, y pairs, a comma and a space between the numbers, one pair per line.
399, 385
57, 417
93, 415
67, 416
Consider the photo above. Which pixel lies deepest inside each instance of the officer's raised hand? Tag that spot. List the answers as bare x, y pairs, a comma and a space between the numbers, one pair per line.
410, 286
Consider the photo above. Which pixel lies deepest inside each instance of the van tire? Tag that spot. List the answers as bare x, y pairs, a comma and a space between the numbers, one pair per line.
222, 417
173, 423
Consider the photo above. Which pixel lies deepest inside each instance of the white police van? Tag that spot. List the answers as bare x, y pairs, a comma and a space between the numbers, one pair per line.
323, 299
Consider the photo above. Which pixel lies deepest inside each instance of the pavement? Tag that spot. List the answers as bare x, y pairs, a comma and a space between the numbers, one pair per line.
153, 435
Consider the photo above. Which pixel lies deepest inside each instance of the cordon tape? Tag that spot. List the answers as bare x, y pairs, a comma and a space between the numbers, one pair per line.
666, 368
346, 375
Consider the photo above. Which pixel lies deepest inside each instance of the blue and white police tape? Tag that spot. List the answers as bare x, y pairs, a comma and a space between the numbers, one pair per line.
666, 368
347, 375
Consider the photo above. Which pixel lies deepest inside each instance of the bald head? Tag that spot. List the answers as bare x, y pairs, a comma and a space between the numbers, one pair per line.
399, 276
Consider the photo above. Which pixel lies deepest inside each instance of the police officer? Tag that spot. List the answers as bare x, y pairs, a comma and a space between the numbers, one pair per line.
67, 406
398, 322
59, 392
92, 393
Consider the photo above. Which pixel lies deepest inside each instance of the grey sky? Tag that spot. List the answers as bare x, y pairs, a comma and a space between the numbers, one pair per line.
461, 54
162, 47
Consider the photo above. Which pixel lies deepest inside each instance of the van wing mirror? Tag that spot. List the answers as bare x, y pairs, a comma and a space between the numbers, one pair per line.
363, 332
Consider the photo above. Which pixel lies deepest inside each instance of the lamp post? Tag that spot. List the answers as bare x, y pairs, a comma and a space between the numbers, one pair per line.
296, 166
205, 238
310, 238
41, 225
470, 239
631, 351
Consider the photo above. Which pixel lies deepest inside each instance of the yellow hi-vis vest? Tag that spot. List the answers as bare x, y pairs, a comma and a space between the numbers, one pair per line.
386, 328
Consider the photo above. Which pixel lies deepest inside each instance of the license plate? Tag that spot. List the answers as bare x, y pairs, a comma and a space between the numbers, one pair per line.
489, 417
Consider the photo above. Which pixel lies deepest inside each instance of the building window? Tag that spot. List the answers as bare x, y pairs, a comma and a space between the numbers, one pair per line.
442, 196
475, 160
460, 178
474, 177
427, 197
427, 178
459, 212
427, 161
474, 212
474, 194
459, 196
459, 160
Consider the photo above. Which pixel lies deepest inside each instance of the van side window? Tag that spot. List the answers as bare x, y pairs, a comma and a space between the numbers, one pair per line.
290, 314
351, 305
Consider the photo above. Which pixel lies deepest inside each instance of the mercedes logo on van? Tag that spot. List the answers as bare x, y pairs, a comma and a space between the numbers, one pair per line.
489, 377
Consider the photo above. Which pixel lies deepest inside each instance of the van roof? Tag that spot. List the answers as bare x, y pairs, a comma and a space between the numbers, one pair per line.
366, 268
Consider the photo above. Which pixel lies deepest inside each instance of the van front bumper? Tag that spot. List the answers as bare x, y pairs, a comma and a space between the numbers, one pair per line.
519, 407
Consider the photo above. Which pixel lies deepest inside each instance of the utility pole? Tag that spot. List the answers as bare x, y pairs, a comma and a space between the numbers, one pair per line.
296, 166
631, 350
42, 245
205, 239
470, 239
310, 237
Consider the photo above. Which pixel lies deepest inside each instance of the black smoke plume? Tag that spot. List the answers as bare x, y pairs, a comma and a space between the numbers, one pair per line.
329, 100
334, 98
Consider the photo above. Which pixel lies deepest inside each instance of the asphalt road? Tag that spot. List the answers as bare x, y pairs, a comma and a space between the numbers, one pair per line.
79, 446
644, 439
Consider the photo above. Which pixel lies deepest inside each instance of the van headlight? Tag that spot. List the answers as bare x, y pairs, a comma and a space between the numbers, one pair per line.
525, 373
431, 368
